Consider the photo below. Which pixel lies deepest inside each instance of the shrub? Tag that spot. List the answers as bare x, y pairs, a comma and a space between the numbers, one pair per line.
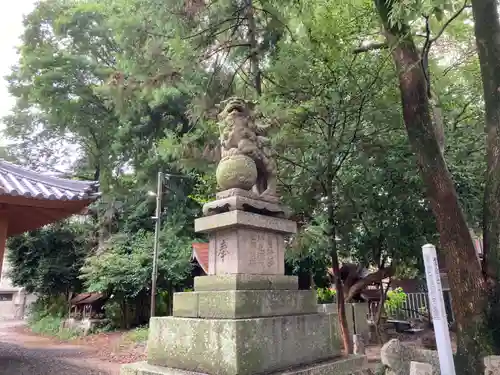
46, 317
326, 295
139, 334
395, 299
54, 306
48, 325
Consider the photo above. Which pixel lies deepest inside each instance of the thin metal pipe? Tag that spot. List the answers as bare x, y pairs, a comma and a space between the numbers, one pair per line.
154, 276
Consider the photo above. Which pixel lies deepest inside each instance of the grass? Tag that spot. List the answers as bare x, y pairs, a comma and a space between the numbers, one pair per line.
52, 326
137, 335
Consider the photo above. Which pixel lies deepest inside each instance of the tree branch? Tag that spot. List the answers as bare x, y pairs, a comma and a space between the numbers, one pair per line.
447, 23
368, 280
371, 47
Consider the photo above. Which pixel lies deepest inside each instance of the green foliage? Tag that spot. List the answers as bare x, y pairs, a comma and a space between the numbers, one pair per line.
126, 266
326, 295
395, 299
54, 306
46, 317
139, 334
48, 261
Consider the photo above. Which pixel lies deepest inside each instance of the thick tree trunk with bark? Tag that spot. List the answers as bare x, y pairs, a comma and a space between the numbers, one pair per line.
464, 271
487, 30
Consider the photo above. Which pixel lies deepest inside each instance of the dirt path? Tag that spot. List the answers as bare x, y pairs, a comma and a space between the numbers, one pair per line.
22, 353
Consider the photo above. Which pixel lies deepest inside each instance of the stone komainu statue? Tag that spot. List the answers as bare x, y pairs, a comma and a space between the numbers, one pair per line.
241, 134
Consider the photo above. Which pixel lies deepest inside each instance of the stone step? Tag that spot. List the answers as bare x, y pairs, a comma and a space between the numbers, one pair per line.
353, 365
240, 304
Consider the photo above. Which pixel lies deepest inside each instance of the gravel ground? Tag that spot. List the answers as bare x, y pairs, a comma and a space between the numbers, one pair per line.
25, 355
15, 359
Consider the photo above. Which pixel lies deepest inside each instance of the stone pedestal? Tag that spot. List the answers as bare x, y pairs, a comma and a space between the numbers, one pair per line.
246, 317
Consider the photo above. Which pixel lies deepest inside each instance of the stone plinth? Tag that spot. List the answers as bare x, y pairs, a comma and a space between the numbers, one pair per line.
245, 282
353, 365
242, 242
246, 317
240, 304
242, 346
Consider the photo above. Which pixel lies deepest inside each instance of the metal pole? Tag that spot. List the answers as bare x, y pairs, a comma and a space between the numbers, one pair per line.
159, 194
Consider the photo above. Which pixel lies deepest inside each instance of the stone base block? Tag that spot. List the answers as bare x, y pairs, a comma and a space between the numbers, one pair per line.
354, 365
245, 203
240, 218
245, 282
242, 346
239, 304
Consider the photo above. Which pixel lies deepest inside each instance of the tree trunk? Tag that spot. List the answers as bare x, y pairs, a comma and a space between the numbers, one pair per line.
344, 328
255, 71
381, 335
487, 31
170, 296
464, 271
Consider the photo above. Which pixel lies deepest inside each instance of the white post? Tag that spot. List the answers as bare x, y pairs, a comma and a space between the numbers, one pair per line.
437, 310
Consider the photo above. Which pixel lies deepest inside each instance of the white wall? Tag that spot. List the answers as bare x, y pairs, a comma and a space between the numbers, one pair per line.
14, 301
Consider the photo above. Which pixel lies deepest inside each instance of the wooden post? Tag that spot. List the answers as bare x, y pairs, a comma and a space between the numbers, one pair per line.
3, 239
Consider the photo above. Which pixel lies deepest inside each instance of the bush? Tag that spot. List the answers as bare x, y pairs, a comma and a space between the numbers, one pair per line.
48, 325
46, 317
139, 334
52, 326
395, 299
326, 295
53, 306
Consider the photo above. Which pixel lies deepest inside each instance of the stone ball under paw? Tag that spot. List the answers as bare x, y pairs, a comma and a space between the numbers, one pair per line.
236, 172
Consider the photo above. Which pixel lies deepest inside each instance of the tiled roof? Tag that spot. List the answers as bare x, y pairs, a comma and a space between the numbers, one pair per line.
23, 182
200, 253
86, 298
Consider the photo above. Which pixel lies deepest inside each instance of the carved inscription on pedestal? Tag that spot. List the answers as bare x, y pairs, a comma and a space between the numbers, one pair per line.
260, 252
271, 252
222, 250
247, 251
252, 255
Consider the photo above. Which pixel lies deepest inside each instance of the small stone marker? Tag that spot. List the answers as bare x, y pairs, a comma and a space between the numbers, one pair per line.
420, 368
358, 344
492, 365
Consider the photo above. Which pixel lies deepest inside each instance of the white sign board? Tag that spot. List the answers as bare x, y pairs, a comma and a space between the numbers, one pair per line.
437, 310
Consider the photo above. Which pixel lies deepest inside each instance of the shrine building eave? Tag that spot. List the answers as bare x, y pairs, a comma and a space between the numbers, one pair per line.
30, 200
